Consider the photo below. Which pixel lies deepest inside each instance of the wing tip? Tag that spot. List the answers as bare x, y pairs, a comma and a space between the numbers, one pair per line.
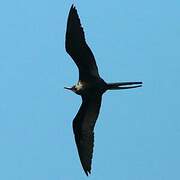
86, 168
72, 13
88, 172
73, 7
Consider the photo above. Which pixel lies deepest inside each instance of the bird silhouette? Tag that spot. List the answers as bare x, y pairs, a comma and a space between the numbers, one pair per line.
90, 87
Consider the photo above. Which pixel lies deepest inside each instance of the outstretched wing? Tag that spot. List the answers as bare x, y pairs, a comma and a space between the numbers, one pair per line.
83, 127
78, 49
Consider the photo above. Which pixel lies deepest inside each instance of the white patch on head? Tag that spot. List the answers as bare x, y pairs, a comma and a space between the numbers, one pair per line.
79, 86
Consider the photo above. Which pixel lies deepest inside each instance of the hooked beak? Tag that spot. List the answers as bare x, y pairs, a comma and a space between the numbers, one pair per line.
69, 88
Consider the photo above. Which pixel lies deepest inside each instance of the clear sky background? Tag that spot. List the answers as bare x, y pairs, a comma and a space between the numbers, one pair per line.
137, 136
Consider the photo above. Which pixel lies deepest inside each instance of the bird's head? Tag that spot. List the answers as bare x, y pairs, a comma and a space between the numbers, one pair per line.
73, 88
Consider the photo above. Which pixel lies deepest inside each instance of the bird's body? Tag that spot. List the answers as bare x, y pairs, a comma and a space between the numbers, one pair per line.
90, 87
98, 86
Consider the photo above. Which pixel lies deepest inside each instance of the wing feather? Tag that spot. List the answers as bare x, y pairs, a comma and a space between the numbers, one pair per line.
78, 49
83, 127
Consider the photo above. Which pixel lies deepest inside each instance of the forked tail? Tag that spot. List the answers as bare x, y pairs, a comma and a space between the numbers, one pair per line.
123, 85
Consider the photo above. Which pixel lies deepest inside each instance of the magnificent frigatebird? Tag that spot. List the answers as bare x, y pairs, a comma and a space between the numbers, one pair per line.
90, 87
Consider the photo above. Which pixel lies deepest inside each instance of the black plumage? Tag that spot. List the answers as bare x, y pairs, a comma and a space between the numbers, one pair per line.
78, 49
90, 87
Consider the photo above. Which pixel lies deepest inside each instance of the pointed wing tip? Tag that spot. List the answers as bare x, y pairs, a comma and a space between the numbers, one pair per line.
88, 172
86, 167
73, 7
73, 15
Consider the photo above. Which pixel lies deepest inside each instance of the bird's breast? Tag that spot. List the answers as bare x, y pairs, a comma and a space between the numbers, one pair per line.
88, 88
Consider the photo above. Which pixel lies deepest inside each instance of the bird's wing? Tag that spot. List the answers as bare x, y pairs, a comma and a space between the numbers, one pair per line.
78, 49
83, 127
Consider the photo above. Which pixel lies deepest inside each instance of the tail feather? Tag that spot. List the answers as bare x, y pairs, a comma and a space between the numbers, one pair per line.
123, 85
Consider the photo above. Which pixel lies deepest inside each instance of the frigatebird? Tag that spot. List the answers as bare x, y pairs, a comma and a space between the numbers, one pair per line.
90, 87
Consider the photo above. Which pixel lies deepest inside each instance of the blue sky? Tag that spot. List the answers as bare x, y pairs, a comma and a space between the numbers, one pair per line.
138, 131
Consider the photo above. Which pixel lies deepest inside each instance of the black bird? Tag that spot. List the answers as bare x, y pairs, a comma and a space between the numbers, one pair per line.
90, 87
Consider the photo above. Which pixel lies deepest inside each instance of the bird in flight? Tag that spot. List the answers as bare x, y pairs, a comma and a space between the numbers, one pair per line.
90, 87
